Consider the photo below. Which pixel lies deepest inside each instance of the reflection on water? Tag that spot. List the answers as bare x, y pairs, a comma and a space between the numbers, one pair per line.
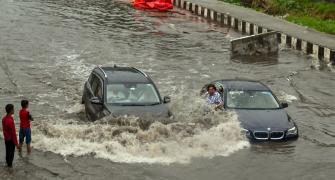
269, 59
285, 148
48, 48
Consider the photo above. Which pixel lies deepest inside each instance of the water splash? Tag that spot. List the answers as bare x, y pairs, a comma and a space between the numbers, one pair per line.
197, 132
283, 96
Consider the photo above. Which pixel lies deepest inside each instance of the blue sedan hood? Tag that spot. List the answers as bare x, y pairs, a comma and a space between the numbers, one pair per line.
261, 120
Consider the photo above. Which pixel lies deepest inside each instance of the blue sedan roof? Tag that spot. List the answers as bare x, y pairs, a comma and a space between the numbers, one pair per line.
233, 84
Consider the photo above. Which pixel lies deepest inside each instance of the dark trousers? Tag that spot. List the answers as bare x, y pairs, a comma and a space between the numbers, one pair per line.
10, 151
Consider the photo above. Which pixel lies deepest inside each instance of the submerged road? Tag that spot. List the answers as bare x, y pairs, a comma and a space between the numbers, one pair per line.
48, 48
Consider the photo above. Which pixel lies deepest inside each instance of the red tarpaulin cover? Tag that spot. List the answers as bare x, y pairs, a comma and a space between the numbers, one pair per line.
160, 5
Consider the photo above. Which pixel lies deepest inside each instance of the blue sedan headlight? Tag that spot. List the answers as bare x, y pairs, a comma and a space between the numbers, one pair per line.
292, 131
245, 132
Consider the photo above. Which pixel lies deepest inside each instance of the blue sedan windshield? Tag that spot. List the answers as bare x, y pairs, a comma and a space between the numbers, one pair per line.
251, 100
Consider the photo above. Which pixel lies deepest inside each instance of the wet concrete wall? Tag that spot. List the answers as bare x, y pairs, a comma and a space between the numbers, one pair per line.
260, 44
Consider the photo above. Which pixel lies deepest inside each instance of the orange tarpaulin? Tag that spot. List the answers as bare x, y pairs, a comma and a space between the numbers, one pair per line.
160, 5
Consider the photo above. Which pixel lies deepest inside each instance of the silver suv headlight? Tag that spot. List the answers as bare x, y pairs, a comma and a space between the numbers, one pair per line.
292, 131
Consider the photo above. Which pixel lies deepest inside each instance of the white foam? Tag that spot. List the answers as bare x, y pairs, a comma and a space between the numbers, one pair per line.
159, 144
76, 108
283, 96
50, 95
197, 133
72, 64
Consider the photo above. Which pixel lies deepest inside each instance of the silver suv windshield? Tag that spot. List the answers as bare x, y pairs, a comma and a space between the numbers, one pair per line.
132, 94
251, 100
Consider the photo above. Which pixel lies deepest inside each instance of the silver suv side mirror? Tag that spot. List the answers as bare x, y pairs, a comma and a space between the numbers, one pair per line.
167, 99
284, 105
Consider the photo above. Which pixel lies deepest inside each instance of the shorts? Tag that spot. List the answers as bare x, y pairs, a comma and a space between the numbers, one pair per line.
25, 133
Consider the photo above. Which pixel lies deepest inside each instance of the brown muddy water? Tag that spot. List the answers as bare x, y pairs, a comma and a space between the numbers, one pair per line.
48, 48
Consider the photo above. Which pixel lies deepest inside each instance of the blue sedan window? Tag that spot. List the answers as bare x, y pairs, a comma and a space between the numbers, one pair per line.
251, 100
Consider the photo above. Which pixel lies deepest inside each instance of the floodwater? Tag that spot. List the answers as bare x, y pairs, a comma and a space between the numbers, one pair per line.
49, 47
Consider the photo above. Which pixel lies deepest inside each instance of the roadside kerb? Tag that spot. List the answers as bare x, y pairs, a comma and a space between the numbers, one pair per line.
324, 54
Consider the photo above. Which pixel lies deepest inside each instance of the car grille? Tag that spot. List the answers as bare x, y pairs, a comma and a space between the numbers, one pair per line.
261, 135
275, 135
265, 135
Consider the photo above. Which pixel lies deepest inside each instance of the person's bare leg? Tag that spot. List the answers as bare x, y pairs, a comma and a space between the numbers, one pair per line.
28, 148
20, 149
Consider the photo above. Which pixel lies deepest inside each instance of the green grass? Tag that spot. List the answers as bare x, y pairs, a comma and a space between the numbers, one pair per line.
237, 2
323, 10
281, 7
316, 14
327, 26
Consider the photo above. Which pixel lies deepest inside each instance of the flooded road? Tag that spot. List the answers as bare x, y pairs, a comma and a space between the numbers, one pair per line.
48, 48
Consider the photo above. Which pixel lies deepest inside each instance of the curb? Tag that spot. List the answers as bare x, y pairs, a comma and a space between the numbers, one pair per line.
324, 54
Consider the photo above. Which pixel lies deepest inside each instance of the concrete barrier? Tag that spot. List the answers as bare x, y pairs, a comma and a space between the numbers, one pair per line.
260, 44
319, 51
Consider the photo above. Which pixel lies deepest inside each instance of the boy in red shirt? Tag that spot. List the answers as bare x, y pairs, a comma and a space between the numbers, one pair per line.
9, 134
25, 132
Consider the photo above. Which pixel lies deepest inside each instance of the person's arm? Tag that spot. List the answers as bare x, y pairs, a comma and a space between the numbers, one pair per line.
221, 102
3, 128
205, 95
30, 117
220, 105
13, 133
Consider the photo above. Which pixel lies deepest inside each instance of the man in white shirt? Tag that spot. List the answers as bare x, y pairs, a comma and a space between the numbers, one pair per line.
213, 97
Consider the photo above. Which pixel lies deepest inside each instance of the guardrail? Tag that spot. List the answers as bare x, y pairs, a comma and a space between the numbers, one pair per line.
324, 54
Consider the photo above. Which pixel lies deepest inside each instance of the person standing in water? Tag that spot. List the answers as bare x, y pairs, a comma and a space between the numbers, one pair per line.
25, 131
9, 134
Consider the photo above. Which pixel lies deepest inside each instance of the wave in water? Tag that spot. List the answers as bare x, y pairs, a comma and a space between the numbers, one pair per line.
197, 132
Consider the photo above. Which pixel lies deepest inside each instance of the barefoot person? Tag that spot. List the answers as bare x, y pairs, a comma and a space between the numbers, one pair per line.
9, 134
25, 131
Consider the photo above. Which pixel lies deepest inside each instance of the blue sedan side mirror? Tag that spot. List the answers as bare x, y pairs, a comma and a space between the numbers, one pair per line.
95, 100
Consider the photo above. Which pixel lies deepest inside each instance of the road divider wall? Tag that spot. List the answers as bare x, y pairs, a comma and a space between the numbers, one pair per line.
259, 44
324, 54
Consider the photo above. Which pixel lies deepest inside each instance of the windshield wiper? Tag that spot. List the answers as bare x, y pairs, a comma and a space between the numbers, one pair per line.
149, 104
132, 104
152, 104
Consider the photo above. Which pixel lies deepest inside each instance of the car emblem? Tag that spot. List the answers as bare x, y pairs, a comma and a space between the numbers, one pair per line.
269, 129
